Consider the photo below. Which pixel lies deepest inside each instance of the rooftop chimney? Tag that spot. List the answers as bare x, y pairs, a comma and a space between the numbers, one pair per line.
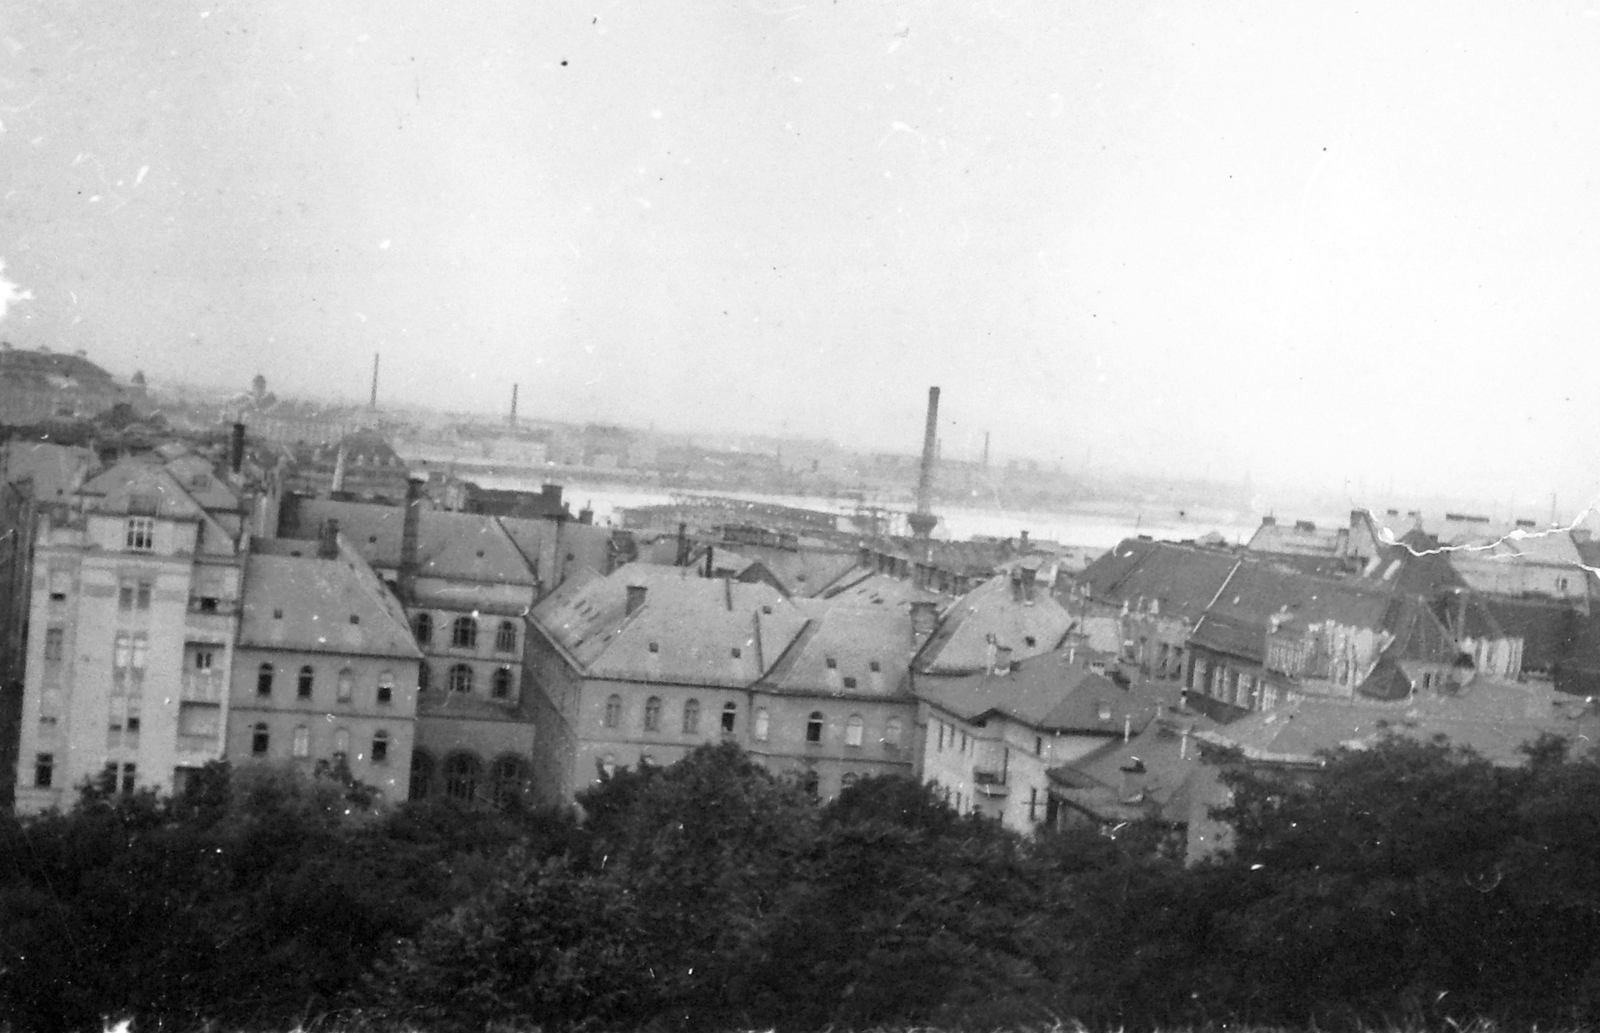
1002, 659
328, 541
236, 454
408, 538
923, 521
683, 545
636, 594
924, 616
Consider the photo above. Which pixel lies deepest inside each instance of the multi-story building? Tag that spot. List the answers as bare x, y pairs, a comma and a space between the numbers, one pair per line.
134, 603
991, 737
325, 669
644, 665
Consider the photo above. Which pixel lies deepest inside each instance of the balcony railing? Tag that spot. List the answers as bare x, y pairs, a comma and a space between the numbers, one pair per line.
201, 688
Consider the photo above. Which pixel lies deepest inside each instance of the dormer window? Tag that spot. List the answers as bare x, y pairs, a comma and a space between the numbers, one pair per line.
875, 667
355, 618
833, 664
737, 652
277, 615
655, 647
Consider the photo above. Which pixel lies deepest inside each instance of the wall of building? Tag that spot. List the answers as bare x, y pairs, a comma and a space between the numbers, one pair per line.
324, 716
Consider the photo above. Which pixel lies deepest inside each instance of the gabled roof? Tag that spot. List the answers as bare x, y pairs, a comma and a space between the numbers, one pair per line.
1054, 692
852, 637
992, 614
1182, 578
1163, 760
695, 624
866, 586
1238, 620
1300, 537
132, 481
326, 605
1548, 630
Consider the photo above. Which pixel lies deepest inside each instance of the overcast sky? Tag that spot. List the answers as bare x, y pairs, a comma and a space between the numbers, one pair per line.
1311, 242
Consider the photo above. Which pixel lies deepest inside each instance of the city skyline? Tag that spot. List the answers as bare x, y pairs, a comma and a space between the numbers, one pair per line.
1320, 249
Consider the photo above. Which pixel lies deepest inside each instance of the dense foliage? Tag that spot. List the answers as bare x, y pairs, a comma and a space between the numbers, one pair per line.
1411, 883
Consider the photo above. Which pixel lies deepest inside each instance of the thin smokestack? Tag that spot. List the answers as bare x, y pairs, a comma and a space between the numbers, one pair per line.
923, 520
373, 404
513, 405
236, 453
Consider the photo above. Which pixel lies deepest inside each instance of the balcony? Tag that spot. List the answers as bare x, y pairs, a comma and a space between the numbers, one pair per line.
989, 783
202, 688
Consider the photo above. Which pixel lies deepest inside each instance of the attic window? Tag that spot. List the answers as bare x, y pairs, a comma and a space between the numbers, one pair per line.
767, 609
737, 652
655, 647
1105, 711
849, 683
1030, 641
277, 615
355, 618
875, 667
372, 539
480, 554
833, 664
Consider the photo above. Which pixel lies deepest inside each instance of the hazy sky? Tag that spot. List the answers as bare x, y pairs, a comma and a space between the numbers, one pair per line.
1310, 241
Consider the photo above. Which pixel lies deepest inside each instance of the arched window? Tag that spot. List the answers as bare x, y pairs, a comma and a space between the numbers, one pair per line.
260, 740
507, 778
505, 639
853, 729
652, 714
424, 677
422, 628
421, 774
814, 727
302, 742
891, 733
461, 678
763, 723
307, 678
380, 747
264, 680
341, 744
461, 773
464, 633
613, 711
502, 683
691, 717
385, 686
347, 684
730, 718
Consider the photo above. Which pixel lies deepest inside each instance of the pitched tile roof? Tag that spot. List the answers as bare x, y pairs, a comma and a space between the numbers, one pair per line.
1493, 717
453, 546
1052, 693
851, 638
326, 605
992, 613
866, 586
1164, 759
704, 631
1182, 578
1238, 620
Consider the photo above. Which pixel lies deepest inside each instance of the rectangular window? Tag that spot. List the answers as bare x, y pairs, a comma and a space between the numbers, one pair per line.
203, 659
141, 647
141, 536
44, 770
1033, 803
60, 581
129, 781
54, 644
302, 741
145, 589
125, 595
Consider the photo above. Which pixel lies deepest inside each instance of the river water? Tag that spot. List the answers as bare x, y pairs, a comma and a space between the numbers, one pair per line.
1096, 530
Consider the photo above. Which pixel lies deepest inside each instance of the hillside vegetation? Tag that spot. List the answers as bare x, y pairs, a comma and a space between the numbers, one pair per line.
1412, 883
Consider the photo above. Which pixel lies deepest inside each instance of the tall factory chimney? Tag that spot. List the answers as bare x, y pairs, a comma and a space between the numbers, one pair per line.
373, 404
923, 521
513, 406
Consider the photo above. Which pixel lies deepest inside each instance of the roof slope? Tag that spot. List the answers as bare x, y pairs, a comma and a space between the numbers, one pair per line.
1182, 579
452, 546
1051, 693
993, 613
1238, 620
307, 603
704, 631
852, 638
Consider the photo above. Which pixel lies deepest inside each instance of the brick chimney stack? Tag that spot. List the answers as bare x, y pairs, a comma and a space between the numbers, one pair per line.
923, 521
409, 562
